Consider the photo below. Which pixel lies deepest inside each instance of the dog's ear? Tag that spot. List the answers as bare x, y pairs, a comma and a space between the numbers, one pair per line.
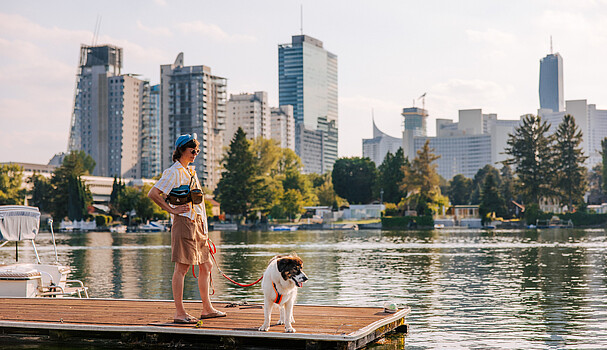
282, 264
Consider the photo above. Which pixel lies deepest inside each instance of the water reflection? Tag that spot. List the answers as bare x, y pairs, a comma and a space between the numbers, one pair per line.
467, 288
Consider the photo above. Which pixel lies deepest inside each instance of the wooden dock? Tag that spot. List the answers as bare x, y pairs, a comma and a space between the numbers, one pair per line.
121, 322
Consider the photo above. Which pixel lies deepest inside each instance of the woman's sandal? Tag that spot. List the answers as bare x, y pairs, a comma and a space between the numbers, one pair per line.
213, 315
187, 320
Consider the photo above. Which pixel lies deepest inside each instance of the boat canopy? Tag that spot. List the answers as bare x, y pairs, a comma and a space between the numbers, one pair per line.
18, 222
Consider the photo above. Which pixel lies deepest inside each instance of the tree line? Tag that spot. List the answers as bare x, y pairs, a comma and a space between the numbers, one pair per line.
261, 180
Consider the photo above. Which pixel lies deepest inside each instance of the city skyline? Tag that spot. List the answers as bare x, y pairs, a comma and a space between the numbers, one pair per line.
465, 55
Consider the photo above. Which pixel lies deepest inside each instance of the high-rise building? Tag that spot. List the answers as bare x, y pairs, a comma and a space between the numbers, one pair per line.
107, 112
193, 100
415, 119
551, 83
150, 133
381, 143
464, 147
307, 80
283, 126
249, 112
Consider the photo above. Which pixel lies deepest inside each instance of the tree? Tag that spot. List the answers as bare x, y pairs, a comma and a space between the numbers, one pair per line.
459, 190
570, 179
529, 150
421, 180
71, 197
117, 192
238, 185
491, 200
390, 176
479, 179
507, 189
11, 176
354, 179
292, 203
41, 192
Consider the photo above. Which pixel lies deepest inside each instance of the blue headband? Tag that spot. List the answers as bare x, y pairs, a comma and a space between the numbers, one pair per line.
183, 139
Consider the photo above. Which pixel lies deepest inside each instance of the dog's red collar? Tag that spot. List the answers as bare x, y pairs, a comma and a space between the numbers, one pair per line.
278, 295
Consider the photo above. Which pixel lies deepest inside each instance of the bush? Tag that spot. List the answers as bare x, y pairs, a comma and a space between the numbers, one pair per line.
102, 220
391, 210
407, 221
584, 219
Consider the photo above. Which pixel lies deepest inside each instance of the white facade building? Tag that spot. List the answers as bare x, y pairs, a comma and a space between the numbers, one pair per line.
381, 143
249, 112
282, 126
590, 120
476, 140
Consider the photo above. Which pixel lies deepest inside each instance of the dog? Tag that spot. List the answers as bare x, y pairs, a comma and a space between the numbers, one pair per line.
280, 281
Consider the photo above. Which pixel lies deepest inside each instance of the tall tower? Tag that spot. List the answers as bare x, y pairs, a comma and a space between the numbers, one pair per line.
192, 100
107, 112
551, 82
307, 80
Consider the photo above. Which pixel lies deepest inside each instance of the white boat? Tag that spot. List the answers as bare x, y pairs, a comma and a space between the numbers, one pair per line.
284, 228
152, 226
118, 228
32, 280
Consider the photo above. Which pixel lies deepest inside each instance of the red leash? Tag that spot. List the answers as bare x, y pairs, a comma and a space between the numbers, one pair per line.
213, 250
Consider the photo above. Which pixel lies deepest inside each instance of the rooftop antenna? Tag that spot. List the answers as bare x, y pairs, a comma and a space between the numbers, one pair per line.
301, 19
96, 31
551, 44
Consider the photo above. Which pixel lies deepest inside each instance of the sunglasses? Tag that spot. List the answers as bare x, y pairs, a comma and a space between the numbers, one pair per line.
195, 151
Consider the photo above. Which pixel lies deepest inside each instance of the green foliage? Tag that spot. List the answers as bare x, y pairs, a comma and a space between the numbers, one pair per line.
292, 202
41, 192
354, 179
491, 200
238, 185
391, 174
530, 151
11, 176
421, 181
391, 210
532, 213
479, 180
103, 220
70, 196
584, 219
459, 190
402, 222
570, 172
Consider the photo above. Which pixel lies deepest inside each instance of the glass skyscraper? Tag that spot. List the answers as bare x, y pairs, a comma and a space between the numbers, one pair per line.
551, 83
307, 80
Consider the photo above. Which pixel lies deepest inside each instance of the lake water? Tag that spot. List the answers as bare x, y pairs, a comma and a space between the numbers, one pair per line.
468, 289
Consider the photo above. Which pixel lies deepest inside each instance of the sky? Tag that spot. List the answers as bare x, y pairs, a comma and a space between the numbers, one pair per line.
463, 54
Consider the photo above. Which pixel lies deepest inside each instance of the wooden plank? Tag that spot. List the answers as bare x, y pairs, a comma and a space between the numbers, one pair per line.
352, 327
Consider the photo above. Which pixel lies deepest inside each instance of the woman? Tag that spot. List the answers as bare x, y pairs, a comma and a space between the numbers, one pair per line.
189, 238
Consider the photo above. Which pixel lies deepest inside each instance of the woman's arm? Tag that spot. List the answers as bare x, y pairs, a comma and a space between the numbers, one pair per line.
154, 195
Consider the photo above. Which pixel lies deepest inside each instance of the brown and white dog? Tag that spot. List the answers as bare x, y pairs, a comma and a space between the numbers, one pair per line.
280, 282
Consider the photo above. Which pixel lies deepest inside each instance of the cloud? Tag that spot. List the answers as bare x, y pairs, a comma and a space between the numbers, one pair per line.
158, 31
213, 32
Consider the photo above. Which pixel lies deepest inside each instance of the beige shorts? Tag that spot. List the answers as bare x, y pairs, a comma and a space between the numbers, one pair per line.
189, 244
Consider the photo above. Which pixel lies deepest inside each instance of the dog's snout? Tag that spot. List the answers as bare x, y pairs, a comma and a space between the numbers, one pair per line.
305, 278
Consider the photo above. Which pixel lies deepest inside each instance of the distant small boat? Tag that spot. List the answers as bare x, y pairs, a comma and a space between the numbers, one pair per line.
283, 228
152, 226
439, 226
118, 229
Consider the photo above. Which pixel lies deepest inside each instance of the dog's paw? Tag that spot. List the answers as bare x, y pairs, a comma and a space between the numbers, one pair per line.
264, 328
280, 322
289, 329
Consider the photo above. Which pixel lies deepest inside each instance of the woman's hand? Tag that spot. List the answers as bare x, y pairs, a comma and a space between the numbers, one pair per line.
180, 209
